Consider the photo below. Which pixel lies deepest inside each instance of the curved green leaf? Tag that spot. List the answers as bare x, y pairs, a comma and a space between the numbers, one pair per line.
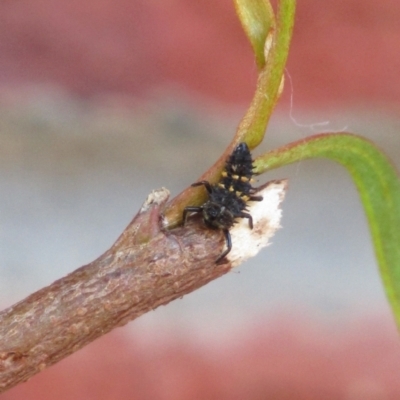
378, 185
257, 19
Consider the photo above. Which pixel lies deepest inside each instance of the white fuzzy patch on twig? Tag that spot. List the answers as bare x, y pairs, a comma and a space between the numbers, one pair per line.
156, 197
266, 216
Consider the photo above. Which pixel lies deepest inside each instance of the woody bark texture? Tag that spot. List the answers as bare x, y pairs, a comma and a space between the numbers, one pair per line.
144, 269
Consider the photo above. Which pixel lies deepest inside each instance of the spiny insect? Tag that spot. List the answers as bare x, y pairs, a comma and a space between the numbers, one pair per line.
228, 198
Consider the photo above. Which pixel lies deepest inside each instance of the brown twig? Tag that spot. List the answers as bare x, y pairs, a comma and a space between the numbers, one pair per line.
145, 268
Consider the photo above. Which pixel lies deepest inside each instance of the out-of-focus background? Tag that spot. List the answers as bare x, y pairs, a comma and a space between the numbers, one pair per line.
101, 102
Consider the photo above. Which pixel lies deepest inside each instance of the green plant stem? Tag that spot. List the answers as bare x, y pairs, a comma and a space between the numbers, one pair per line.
378, 185
253, 125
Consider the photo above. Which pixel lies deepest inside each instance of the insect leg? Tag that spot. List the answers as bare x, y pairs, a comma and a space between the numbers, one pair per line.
189, 209
228, 245
248, 216
255, 198
203, 183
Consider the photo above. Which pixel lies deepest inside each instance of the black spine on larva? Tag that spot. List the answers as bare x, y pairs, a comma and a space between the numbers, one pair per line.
231, 194
228, 198
240, 161
239, 170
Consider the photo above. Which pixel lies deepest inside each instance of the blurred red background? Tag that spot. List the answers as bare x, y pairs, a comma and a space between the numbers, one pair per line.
344, 53
300, 361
